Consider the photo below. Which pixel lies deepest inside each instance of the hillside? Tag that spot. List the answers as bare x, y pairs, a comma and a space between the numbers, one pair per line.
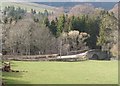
28, 6
70, 8
115, 10
82, 9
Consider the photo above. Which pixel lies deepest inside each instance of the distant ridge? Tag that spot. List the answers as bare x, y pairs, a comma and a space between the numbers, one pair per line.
104, 5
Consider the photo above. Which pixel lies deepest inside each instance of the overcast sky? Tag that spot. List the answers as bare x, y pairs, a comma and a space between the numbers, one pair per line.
60, 0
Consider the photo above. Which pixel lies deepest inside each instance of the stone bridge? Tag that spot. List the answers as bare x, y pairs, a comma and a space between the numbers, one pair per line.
96, 54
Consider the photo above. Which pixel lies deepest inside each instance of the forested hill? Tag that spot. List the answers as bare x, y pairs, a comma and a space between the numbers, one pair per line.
63, 7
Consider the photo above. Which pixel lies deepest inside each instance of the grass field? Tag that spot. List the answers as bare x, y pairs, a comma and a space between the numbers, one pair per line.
85, 72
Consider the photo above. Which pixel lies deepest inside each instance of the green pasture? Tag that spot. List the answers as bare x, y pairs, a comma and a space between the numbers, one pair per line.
84, 72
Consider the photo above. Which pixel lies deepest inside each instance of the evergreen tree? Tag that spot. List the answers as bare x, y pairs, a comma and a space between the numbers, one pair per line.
46, 22
46, 13
32, 11
60, 25
53, 27
108, 27
71, 22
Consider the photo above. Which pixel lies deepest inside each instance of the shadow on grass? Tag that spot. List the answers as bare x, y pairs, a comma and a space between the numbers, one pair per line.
12, 78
